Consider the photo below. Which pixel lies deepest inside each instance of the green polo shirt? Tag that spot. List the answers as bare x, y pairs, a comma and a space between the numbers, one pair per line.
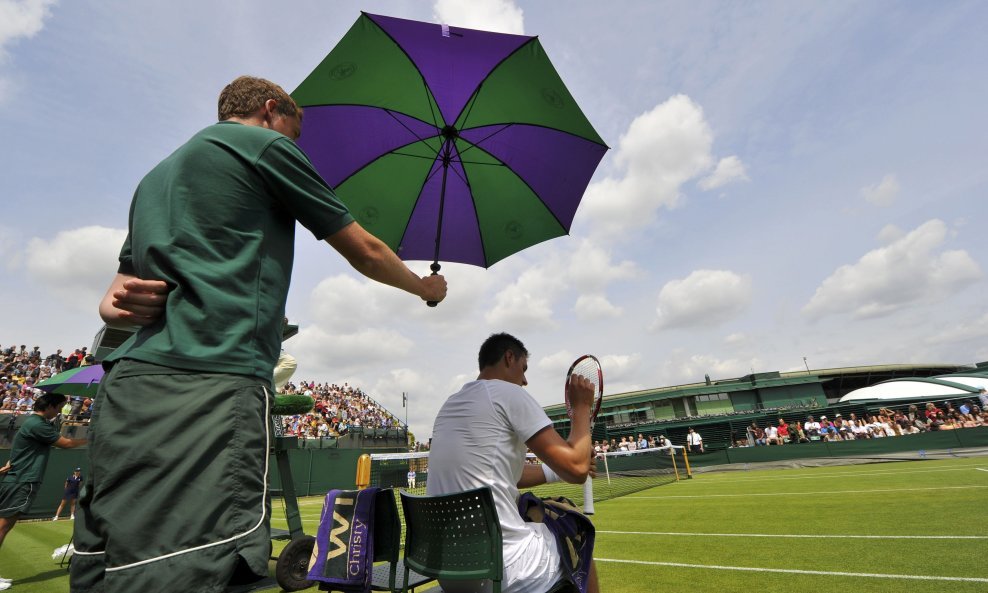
216, 220
30, 449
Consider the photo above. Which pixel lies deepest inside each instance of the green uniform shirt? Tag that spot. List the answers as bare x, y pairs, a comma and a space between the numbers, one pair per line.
30, 450
216, 220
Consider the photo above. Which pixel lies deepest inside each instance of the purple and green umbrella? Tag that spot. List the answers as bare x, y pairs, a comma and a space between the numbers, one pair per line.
80, 381
448, 144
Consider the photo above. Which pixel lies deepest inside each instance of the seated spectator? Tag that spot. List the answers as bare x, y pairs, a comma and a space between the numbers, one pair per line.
756, 435
783, 431
772, 435
843, 428
860, 429
934, 416
812, 428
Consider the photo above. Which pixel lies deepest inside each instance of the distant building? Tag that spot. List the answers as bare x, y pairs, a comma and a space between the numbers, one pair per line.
759, 396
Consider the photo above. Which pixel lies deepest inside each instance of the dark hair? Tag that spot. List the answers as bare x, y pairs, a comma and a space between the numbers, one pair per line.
48, 401
247, 94
494, 347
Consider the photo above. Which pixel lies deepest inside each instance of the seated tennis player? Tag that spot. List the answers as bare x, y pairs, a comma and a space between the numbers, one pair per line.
480, 438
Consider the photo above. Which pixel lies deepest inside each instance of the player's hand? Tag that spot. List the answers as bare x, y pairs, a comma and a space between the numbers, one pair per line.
580, 392
433, 288
5, 469
141, 302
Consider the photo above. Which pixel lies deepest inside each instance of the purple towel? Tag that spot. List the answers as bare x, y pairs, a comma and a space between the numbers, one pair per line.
344, 553
573, 531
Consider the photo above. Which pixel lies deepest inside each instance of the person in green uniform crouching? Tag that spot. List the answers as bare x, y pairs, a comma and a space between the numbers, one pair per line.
20, 478
177, 498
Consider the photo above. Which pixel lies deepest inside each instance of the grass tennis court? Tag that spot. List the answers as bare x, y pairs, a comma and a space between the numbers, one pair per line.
916, 526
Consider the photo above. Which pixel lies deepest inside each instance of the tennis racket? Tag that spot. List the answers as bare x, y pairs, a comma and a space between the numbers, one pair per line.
587, 366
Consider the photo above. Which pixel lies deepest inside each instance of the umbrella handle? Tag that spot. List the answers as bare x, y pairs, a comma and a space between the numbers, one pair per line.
435, 270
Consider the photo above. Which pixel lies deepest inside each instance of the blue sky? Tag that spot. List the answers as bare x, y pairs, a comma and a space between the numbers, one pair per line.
786, 179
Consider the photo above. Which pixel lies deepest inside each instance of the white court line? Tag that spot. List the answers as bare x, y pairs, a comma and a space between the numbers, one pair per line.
914, 577
849, 474
981, 469
797, 535
803, 493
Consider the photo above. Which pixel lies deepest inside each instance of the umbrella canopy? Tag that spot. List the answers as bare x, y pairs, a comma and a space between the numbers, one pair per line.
80, 381
446, 143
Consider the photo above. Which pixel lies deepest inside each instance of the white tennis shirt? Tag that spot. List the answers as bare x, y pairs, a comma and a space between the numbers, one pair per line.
479, 440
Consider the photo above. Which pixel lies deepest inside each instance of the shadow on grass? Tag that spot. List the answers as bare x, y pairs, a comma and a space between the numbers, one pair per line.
57, 573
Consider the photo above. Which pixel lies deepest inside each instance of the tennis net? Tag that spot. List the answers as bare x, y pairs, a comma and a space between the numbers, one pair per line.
618, 473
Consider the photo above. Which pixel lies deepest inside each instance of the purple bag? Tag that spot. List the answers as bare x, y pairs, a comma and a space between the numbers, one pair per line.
573, 531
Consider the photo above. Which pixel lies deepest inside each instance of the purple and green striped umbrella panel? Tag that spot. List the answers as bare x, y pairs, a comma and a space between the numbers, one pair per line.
448, 144
80, 381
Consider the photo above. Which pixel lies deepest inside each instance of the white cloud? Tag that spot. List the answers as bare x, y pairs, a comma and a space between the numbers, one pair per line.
595, 306
587, 271
662, 149
883, 193
19, 19
11, 253
889, 234
323, 353
910, 270
344, 303
76, 265
526, 303
736, 338
502, 16
971, 329
681, 368
22, 18
728, 170
705, 298
619, 367
556, 363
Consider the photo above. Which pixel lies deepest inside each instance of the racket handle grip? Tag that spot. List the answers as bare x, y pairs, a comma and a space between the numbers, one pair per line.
588, 496
435, 270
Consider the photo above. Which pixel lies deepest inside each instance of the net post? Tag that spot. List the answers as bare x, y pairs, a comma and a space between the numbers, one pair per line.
675, 469
363, 471
686, 460
607, 471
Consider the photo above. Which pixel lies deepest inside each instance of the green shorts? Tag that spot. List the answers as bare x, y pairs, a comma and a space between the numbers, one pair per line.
177, 497
16, 498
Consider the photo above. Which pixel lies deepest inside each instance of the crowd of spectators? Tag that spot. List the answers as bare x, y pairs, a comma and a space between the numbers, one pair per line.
338, 409
883, 424
21, 369
631, 443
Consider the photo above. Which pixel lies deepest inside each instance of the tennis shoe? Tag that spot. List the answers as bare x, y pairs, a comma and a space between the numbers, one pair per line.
3, 580
5, 585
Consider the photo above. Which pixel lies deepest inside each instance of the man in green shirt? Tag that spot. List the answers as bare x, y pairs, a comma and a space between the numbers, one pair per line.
177, 499
20, 478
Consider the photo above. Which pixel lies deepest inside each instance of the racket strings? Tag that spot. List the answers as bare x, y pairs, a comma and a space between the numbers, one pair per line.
590, 370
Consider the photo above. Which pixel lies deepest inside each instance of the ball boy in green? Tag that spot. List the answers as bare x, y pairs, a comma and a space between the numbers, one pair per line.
178, 498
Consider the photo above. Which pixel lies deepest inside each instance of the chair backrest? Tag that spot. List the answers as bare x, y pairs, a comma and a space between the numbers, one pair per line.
453, 536
387, 533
